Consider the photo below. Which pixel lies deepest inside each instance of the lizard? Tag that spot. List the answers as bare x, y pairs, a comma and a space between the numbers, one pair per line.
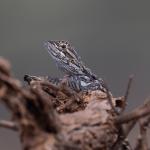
78, 76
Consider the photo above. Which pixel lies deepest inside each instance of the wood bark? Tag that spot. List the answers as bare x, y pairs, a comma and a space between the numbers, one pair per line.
50, 117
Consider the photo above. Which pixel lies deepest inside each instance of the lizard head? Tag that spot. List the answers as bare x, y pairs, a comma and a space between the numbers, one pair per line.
61, 49
70, 63
65, 56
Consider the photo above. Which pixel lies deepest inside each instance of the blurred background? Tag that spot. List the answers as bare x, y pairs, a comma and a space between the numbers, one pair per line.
112, 37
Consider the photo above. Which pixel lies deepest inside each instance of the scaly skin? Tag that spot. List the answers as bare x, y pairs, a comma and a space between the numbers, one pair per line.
79, 77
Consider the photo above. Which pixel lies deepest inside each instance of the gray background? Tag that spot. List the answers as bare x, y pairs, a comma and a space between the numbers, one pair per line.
112, 37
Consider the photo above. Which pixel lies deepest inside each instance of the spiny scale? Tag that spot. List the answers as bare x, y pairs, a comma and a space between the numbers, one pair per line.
80, 78
84, 83
65, 57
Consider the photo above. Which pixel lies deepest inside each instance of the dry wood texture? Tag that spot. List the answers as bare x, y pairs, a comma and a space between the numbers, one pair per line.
50, 117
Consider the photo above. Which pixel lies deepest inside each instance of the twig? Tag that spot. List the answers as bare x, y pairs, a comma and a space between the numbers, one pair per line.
49, 85
143, 132
132, 117
128, 127
8, 125
127, 91
139, 112
110, 99
122, 137
124, 129
143, 123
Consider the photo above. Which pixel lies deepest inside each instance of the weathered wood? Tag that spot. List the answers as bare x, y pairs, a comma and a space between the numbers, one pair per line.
55, 117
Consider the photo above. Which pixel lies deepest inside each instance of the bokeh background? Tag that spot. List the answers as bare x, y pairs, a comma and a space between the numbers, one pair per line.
112, 37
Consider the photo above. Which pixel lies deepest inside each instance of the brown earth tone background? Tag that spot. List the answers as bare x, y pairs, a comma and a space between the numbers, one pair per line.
112, 37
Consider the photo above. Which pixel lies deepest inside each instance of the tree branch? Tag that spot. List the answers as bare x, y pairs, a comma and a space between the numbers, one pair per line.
8, 125
135, 114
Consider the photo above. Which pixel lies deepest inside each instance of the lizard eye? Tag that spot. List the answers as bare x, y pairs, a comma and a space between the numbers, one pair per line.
63, 46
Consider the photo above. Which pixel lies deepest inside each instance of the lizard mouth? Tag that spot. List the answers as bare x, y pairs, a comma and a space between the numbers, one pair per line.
51, 47
49, 44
